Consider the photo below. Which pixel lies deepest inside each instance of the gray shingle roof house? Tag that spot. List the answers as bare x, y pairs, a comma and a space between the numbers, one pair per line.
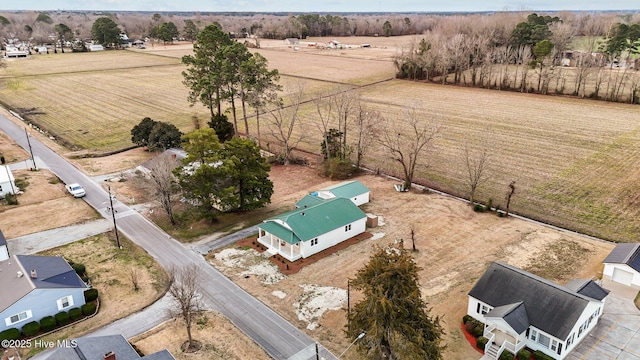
110, 347
521, 309
32, 287
622, 265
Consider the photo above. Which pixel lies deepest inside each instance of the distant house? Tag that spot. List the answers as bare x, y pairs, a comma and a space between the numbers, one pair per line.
352, 190
14, 52
622, 265
292, 41
139, 44
308, 230
7, 182
521, 309
35, 287
109, 347
4, 248
96, 47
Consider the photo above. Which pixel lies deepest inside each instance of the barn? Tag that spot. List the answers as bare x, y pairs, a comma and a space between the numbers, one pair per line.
622, 265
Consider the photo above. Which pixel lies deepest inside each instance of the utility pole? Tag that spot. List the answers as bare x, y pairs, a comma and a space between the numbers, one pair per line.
113, 215
33, 159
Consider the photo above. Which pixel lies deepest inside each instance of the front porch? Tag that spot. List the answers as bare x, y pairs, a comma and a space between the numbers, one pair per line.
502, 341
280, 247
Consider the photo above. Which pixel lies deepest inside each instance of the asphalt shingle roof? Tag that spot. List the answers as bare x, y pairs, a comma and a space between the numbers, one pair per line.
588, 287
52, 271
94, 348
3, 241
625, 253
514, 314
550, 307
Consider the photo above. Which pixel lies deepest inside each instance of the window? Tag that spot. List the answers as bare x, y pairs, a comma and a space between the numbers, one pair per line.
314, 241
484, 309
534, 334
65, 302
554, 345
347, 228
543, 340
18, 318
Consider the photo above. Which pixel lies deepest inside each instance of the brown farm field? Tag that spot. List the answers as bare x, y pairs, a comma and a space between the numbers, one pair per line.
575, 161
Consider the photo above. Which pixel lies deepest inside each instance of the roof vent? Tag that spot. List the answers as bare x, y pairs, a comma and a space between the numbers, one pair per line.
109, 356
34, 274
302, 213
19, 274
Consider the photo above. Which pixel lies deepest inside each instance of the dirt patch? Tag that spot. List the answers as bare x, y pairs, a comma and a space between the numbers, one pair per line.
219, 337
455, 245
113, 164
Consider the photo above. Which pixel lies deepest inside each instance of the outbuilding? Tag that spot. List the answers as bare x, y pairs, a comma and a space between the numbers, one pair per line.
622, 265
7, 182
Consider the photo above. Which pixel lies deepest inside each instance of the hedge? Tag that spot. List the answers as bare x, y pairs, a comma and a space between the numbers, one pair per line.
90, 295
75, 313
481, 342
10, 334
539, 355
62, 318
47, 323
31, 328
478, 330
506, 355
466, 318
89, 309
79, 268
524, 354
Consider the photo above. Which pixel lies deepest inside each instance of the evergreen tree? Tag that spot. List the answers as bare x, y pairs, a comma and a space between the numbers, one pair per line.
393, 315
105, 32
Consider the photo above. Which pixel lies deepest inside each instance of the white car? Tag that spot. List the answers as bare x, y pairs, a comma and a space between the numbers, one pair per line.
76, 190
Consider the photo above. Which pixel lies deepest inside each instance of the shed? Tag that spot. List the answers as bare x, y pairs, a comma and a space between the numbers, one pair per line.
96, 47
622, 265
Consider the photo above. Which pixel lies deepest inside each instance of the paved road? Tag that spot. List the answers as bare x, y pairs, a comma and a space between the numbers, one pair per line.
279, 338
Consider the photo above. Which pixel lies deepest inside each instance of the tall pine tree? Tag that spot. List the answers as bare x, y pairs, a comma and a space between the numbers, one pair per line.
393, 314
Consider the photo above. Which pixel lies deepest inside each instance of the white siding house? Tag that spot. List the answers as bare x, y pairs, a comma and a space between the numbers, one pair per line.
352, 190
622, 265
306, 231
520, 310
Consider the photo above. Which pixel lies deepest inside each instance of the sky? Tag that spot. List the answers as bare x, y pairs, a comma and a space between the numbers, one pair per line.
319, 6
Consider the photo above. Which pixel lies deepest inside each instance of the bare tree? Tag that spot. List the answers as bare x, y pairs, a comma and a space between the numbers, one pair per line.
366, 130
406, 139
512, 190
477, 165
285, 125
186, 304
162, 181
134, 276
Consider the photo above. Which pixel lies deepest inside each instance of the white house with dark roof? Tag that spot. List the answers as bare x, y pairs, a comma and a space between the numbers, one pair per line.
520, 309
622, 265
32, 287
109, 347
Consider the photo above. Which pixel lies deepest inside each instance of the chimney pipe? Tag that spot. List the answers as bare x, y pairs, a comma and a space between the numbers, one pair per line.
110, 356
34, 274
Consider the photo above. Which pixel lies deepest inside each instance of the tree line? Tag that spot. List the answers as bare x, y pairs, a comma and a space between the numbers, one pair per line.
536, 55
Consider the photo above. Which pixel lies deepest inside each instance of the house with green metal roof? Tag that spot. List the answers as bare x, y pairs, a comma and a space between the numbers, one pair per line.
305, 231
353, 190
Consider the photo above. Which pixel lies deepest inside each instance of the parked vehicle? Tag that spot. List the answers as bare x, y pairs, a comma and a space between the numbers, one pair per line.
76, 190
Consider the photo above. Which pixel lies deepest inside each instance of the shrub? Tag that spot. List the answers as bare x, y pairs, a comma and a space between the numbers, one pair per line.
478, 208
89, 309
62, 318
75, 313
31, 328
10, 334
506, 355
79, 268
481, 342
470, 325
338, 169
466, 319
47, 323
524, 354
2, 160
90, 295
478, 330
539, 355
11, 199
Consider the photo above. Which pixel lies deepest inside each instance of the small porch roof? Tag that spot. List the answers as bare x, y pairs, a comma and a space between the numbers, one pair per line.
280, 231
513, 314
